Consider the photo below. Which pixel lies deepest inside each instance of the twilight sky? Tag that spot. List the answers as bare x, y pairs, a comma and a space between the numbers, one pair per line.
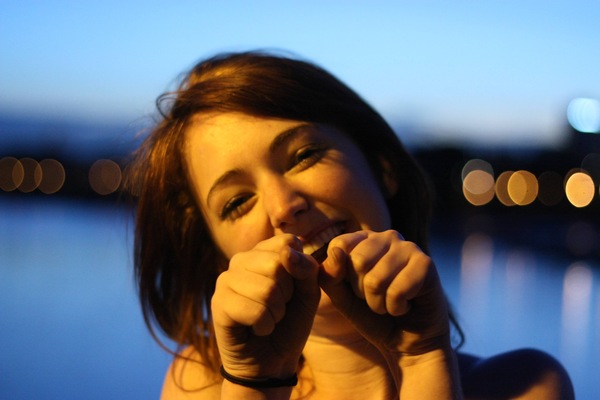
500, 72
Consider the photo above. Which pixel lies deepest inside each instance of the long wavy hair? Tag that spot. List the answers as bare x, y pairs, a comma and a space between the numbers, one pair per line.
176, 260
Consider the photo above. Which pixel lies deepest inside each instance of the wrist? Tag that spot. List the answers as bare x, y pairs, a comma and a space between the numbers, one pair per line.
230, 390
433, 374
261, 383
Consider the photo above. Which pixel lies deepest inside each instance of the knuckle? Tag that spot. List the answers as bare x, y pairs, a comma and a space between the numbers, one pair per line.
373, 284
392, 234
359, 262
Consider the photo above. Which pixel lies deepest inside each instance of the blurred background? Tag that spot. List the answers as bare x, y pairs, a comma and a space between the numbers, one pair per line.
498, 100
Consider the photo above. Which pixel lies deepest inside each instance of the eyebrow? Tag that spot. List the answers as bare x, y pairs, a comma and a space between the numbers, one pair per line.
280, 140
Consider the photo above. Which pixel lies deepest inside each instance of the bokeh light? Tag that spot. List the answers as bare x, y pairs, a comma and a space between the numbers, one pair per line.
522, 187
584, 115
502, 188
32, 175
105, 176
11, 173
53, 176
478, 182
579, 189
474, 165
478, 187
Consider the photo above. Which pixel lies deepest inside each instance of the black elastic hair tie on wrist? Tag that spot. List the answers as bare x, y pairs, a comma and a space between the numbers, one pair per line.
260, 383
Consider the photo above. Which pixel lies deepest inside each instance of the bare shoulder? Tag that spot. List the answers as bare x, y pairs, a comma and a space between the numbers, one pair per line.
188, 378
519, 374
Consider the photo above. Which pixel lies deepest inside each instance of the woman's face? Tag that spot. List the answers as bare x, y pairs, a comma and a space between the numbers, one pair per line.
255, 178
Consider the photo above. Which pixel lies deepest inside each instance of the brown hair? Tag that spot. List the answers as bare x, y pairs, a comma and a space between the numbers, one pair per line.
176, 261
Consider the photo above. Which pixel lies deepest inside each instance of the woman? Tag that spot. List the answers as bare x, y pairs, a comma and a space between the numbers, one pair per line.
281, 241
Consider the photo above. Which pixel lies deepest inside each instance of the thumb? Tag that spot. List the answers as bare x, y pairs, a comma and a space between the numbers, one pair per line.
299, 265
332, 279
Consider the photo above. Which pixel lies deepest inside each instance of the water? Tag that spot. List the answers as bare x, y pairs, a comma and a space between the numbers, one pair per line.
72, 329
71, 325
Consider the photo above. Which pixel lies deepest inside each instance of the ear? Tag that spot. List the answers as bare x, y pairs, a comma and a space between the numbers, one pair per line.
389, 178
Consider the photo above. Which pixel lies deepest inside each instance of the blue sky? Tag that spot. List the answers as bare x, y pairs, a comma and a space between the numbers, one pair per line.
498, 72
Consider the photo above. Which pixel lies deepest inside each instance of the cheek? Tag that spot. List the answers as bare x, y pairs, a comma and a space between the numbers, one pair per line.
358, 192
242, 236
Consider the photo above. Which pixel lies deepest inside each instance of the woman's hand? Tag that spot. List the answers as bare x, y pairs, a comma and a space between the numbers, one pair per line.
389, 290
263, 308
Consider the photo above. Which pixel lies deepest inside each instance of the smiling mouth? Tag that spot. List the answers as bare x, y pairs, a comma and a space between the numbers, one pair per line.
317, 247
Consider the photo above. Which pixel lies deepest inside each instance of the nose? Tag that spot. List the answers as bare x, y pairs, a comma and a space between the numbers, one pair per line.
283, 202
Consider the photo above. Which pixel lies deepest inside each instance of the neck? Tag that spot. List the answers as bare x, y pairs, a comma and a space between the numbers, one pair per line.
342, 364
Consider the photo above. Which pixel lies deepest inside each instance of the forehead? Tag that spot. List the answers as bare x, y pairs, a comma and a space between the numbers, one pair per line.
217, 142
223, 136
216, 128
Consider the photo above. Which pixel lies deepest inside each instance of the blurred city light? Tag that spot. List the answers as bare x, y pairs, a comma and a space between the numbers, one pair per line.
478, 182
579, 189
32, 175
478, 187
11, 173
474, 165
522, 187
584, 115
27, 175
105, 176
502, 189
53, 176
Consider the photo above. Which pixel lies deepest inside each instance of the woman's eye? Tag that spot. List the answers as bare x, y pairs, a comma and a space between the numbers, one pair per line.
236, 207
308, 155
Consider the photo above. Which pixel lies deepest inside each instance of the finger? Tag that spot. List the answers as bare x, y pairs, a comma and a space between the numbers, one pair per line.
363, 258
262, 290
408, 285
334, 284
348, 241
340, 266
377, 280
332, 280
265, 263
232, 310
277, 242
299, 265
333, 269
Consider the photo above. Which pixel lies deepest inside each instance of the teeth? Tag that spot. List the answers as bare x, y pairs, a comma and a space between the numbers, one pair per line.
324, 237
